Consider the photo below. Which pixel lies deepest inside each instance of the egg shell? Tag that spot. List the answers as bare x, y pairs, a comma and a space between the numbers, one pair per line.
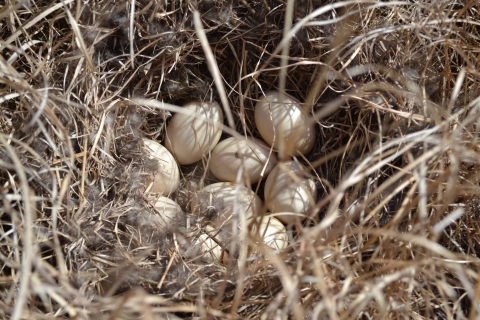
167, 178
211, 251
167, 213
272, 231
233, 153
225, 197
194, 134
289, 217
284, 125
283, 193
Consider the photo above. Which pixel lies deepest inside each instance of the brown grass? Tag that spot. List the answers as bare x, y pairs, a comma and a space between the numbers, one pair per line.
394, 90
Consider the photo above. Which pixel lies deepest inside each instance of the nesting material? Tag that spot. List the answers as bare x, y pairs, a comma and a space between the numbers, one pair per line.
192, 134
283, 124
250, 154
226, 198
288, 189
167, 177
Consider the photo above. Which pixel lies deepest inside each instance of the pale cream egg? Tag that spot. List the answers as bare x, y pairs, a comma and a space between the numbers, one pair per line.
251, 154
167, 212
272, 232
289, 217
225, 199
284, 125
289, 189
167, 178
194, 134
211, 251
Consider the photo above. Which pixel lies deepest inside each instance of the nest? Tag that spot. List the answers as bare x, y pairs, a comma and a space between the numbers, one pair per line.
392, 86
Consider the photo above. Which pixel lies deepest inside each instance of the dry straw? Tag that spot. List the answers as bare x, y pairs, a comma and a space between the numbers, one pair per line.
393, 88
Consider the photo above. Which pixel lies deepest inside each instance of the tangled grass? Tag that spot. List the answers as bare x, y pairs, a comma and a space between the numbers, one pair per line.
392, 86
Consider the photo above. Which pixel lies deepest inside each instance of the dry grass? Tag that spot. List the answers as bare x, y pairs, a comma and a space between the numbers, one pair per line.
393, 87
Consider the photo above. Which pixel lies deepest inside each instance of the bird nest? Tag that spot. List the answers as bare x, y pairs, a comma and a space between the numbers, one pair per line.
392, 87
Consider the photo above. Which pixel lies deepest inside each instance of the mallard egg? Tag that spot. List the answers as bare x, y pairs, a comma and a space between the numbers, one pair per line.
192, 134
167, 178
272, 232
284, 125
289, 217
211, 251
167, 212
234, 153
289, 189
225, 199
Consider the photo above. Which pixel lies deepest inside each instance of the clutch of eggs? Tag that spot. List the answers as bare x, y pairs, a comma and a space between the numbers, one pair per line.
251, 154
283, 124
192, 134
167, 177
289, 189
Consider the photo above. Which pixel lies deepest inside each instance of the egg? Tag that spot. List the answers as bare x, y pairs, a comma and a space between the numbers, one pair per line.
290, 217
288, 189
233, 153
210, 249
190, 136
223, 198
168, 212
167, 178
272, 232
284, 125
